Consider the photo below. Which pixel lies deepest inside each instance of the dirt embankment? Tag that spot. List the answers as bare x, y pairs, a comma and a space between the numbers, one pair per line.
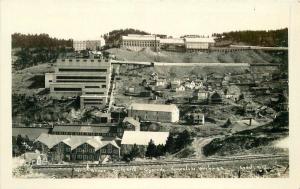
250, 56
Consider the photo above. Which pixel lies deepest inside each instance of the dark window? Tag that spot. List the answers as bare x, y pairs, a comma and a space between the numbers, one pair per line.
92, 103
94, 93
67, 89
92, 86
70, 60
103, 86
99, 100
80, 77
80, 81
81, 70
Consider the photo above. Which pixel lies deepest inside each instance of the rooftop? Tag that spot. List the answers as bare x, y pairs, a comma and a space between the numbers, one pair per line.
154, 107
81, 129
144, 137
200, 40
140, 37
74, 141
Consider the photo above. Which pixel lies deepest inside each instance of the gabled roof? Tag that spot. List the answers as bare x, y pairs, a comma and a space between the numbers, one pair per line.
132, 121
144, 137
154, 107
73, 142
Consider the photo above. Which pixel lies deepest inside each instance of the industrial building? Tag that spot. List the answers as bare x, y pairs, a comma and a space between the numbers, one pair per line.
138, 42
92, 45
189, 43
154, 112
87, 78
77, 148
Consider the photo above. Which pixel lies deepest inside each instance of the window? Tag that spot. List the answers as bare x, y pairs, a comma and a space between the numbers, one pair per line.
50, 80
80, 77
94, 93
109, 151
67, 89
77, 60
70, 60
103, 150
103, 86
81, 70
92, 86
92, 60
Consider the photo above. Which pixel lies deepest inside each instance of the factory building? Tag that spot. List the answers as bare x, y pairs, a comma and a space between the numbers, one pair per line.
138, 42
87, 78
154, 112
88, 45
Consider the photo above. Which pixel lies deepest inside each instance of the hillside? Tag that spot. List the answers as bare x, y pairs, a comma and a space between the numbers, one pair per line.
271, 38
258, 140
250, 56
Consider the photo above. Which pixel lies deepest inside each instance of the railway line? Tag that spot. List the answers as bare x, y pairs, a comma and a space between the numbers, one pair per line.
164, 162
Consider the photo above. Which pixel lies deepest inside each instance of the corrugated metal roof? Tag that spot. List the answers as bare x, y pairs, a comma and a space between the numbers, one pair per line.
81, 129
144, 137
154, 107
200, 40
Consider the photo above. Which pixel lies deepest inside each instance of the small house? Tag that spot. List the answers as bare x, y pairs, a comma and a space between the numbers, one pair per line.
130, 124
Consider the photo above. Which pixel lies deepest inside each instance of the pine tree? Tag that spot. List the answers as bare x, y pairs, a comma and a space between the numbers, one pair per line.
170, 144
151, 149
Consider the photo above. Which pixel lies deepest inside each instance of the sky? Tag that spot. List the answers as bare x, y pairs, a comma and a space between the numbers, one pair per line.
89, 19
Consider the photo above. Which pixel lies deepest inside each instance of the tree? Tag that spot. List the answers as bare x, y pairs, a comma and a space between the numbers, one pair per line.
151, 149
160, 150
183, 139
170, 144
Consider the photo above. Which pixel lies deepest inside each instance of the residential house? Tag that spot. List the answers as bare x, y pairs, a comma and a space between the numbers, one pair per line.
130, 124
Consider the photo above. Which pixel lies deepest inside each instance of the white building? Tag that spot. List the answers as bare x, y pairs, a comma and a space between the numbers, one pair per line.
154, 112
138, 42
143, 138
88, 45
196, 44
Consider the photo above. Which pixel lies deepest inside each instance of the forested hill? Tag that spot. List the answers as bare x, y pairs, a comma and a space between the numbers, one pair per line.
113, 38
272, 38
38, 41
29, 50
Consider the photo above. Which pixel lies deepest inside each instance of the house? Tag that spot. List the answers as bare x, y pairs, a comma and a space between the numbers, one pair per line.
232, 92
142, 139
215, 98
129, 123
198, 118
190, 84
200, 95
161, 82
154, 112
180, 88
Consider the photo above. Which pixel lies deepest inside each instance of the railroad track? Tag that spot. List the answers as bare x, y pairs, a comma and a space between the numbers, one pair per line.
163, 163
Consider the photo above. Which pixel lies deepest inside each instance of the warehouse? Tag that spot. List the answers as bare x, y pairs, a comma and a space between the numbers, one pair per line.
154, 112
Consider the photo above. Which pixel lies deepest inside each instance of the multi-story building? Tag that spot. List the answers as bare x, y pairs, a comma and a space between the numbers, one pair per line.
88, 45
154, 112
87, 78
138, 42
172, 44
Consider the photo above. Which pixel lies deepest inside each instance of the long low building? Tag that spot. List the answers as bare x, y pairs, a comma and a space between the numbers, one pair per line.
154, 112
77, 148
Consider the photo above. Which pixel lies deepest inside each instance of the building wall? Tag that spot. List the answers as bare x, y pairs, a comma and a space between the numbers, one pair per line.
93, 101
139, 44
89, 44
154, 115
49, 77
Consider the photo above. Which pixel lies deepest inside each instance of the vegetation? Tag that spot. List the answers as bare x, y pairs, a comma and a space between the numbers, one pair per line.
257, 38
113, 38
250, 139
31, 50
